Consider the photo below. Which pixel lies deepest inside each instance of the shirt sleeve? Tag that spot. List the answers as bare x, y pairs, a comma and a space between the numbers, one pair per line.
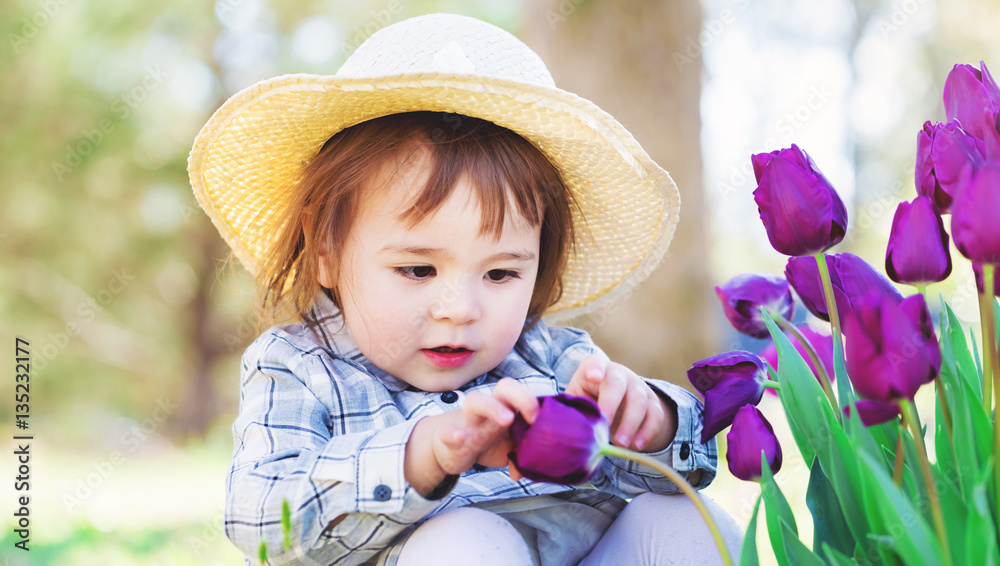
285, 451
686, 454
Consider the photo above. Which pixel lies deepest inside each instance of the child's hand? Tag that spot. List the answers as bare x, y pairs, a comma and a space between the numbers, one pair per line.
475, 434
639, 418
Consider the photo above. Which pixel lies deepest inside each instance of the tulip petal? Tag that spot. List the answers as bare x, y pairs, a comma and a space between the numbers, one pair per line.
971, 103
953, 150
709, 373
917, 252
723, 401
563, 444
750, 435
874, 412
743, 296
975, 211
796, 209
890, 347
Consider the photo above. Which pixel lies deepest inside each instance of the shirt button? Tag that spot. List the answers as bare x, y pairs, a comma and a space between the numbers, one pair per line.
685, 451
382, 493
449, 397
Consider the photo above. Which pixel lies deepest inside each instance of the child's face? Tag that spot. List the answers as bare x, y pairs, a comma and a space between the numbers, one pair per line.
407, 292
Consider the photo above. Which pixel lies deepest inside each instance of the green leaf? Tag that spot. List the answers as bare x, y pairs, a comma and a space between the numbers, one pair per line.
902, 523
809, 413
966, 364
776, 510
980, 527
835, 558
829, 526
748, 556
797, 552
262, 552
965, 403
286, 524
845, 393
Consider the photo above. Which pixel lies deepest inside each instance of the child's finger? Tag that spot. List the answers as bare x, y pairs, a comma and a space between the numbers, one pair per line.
612, 391
589, 375
514, 394
651, 425
634, 409
485, 410
453, 437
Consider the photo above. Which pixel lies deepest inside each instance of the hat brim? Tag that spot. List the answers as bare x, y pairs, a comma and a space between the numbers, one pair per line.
251, 154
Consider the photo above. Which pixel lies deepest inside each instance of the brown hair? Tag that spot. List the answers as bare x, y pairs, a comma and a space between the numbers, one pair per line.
503, 168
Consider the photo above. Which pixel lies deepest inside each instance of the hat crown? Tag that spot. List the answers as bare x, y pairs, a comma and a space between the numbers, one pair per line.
446, 43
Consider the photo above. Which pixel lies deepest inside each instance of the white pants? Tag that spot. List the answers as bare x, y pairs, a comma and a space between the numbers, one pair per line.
652, 530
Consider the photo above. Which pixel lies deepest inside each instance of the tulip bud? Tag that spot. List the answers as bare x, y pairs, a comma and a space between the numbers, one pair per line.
890, 348
728, 381
743, 296
972, 97
917, 253
564, 443
943, 152
801, 211
822, 343
974, 215
751, 434
852, 278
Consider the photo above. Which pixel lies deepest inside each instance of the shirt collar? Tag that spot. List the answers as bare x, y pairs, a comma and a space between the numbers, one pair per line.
337, 338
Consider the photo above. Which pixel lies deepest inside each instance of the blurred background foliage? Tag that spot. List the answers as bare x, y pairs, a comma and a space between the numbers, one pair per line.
137, 317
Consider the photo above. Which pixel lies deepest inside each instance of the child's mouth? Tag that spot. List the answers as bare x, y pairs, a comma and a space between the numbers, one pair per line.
447, 357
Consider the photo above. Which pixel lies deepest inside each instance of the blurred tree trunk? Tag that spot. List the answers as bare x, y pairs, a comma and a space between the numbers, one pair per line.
640, 62
200, 399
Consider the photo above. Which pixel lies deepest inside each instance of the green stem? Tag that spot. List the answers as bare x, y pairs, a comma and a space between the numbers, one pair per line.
986, 319
672, 475
772, 385
831, 302
910, 418
897, 468
824, 378
990, 345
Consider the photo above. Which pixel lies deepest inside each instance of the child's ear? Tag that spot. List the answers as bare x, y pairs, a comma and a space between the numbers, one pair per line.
325, 274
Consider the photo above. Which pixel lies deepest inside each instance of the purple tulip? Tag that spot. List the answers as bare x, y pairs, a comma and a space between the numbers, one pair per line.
822, 343
890, 347
751, 434
744, 295
943, 152
972, 97
801, 211
918, 245
564, 443
874, 412
977, 268
851, 276
975, 211
728, 381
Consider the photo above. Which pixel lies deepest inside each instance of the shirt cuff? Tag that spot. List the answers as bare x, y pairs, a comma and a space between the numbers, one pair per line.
686, 453
381, 485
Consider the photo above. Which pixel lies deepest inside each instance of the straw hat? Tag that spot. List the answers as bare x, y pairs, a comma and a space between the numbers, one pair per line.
253, 149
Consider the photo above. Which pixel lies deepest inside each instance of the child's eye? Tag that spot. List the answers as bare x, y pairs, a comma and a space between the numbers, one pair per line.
498, 275
415, 271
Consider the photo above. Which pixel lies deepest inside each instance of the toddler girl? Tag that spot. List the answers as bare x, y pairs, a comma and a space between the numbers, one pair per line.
415, 216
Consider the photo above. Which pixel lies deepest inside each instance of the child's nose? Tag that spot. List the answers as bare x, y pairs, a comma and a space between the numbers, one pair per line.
459, 303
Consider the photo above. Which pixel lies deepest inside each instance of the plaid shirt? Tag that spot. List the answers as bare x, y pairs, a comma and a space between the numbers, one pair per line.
323, 428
